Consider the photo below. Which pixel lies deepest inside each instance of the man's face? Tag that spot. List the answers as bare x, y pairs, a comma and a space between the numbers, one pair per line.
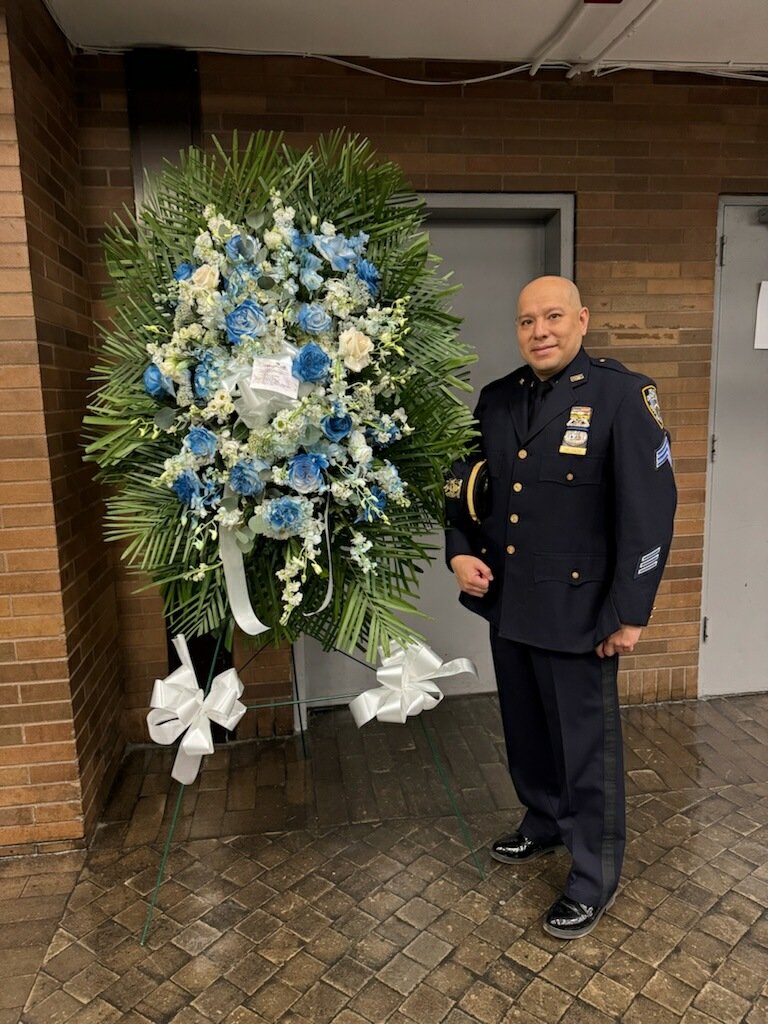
550, 325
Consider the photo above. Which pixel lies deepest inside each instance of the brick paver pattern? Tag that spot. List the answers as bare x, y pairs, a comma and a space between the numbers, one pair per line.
329, 881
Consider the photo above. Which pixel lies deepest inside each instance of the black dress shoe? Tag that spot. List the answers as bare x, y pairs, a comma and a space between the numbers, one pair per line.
567, 919
517, 848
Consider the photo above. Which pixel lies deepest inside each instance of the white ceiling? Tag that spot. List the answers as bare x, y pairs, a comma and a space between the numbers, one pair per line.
724, 35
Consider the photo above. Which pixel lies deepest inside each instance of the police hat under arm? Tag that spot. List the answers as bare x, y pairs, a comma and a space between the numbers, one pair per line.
467, 494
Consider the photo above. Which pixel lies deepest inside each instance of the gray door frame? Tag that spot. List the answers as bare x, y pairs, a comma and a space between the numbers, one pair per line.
556, 210
707, 687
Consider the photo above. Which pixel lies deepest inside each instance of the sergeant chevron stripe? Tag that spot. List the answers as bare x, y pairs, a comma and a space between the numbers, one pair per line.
648, 562
664, 453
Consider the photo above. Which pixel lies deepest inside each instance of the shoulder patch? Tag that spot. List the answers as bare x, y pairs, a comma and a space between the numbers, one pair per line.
651, 399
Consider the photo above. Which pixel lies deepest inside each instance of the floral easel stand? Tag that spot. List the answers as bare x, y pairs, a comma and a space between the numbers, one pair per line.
181, 708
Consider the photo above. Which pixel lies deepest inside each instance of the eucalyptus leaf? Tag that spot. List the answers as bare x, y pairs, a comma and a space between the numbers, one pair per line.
164, 417
256, 221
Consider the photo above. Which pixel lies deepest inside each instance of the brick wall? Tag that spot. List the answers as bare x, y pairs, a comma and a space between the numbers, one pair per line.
63, 671
646, 156
37, 757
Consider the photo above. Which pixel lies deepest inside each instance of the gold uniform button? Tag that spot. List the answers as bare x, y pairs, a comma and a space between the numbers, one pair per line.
510, 549
517, 487
569, 476
575, 575
522, 454
514, 518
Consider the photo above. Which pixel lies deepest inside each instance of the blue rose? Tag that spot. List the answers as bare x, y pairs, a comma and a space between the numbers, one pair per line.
308, 267
374, 507
312, 318
337, 250
231, 248
358, 242
311, 363
187, 487
305, 472
201, 442
300, 241
156, 383
245, 479
184, 271
336, 427
240, 278
246, 319
204, 379
369, 274
284, 516
241, 248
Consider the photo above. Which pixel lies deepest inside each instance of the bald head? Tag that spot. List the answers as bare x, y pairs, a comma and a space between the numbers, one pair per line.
552, 287
551, 322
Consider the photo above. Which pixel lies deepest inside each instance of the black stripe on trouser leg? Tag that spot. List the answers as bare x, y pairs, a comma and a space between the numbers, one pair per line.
579, 694
612, 765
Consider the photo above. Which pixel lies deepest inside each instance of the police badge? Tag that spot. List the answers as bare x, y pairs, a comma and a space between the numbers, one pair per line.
574, 442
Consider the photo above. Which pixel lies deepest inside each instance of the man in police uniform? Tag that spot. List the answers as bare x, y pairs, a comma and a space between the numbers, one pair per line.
565, 567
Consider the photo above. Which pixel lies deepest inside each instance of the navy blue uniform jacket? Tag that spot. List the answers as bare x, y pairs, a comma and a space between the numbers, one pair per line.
576, 542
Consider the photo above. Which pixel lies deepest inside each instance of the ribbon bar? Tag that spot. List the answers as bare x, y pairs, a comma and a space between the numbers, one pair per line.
178, 706
406, 687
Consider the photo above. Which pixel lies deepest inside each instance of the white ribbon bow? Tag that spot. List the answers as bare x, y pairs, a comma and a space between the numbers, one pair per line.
406, 684
178, 707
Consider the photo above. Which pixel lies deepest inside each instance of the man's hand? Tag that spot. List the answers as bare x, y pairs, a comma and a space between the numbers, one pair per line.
621, 642
473, 576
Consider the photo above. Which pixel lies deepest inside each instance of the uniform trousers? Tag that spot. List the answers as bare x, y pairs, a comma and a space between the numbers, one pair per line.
563, 736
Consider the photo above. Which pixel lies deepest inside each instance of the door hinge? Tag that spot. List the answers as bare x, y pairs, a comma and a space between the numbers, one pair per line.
713, 448
704, 630
721, 251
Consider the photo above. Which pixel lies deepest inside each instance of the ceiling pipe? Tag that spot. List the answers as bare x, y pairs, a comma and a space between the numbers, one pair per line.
558, 36
594, 63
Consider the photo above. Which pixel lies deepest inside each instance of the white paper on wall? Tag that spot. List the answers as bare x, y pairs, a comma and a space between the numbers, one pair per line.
761, 321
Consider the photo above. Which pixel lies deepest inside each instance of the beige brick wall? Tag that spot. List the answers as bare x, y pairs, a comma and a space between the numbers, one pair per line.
40, 793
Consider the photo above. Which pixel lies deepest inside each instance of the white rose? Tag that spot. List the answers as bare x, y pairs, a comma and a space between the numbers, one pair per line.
206, 277
355, 348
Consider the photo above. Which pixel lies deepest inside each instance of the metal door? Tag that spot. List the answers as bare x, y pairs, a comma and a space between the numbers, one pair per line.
734, 655
492, 259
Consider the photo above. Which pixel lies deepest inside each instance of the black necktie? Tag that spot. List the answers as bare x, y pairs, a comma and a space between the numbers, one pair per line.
537, 398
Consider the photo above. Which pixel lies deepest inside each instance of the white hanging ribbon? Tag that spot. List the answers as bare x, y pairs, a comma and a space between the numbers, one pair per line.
178, 706
237, 585
406, 686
